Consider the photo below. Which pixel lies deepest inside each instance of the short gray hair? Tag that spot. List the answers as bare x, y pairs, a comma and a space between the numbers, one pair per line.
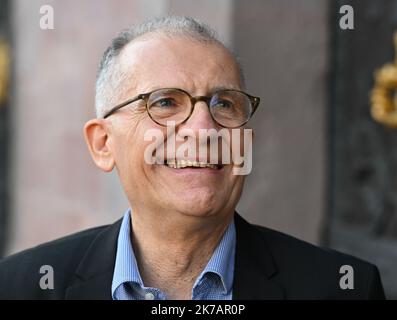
111, 78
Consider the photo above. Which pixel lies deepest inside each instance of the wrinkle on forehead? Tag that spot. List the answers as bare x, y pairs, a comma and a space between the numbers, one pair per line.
159, 61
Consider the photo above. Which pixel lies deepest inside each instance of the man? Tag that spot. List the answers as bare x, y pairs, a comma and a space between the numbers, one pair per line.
182, 238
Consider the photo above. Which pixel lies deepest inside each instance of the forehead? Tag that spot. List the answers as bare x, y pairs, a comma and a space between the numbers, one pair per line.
159, 61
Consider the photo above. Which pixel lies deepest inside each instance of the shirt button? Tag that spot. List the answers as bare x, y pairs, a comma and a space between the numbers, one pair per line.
149, 296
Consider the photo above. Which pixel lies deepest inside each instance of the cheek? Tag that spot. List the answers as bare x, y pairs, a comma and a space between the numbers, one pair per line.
233, 193
128, 142
235, 182
138, 148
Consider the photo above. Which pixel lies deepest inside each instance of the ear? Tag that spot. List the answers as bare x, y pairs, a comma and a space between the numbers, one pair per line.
96, 133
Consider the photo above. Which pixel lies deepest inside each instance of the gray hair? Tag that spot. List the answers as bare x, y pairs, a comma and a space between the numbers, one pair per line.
111, 78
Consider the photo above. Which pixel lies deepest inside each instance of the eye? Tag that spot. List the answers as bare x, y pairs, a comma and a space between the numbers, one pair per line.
224, 104
164, 103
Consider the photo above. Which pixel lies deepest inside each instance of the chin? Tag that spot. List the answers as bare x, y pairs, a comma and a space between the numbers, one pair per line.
199, 208
198, 201
199, 213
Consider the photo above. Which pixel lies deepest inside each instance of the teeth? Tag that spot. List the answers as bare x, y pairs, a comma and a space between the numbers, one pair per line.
178, 164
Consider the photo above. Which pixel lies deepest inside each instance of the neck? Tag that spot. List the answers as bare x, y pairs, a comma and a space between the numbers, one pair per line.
172, 250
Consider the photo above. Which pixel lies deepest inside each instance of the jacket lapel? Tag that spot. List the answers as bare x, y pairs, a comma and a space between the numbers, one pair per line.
93, 277
254, 265
253, 272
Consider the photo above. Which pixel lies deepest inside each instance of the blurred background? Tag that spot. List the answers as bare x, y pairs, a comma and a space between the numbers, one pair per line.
324, 170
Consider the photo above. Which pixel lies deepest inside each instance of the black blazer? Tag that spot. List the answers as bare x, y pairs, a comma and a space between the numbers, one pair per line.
268, 265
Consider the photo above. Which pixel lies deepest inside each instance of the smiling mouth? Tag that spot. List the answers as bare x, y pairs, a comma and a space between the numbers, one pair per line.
182, 164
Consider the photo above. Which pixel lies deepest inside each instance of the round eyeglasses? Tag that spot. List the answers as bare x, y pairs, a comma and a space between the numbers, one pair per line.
228, 108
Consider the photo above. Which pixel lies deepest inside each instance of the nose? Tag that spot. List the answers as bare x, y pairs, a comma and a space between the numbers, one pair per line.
201, 117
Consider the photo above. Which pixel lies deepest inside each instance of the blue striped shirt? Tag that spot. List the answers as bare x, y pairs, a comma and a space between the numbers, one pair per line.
214, 283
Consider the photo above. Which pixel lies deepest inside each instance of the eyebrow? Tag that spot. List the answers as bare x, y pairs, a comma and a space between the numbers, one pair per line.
211, 91
220, 88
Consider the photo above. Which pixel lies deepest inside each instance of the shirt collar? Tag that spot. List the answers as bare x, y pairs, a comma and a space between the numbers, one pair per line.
222, 260
126, 267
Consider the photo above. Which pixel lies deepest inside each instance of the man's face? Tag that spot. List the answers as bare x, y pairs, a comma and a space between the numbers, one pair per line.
198, 68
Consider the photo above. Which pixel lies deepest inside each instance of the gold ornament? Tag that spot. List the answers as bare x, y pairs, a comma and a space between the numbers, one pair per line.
4, 70
384, 93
